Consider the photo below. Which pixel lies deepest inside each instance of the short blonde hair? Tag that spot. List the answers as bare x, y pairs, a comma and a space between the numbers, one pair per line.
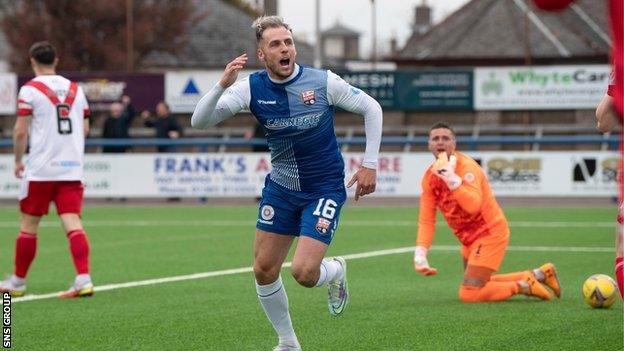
263, 23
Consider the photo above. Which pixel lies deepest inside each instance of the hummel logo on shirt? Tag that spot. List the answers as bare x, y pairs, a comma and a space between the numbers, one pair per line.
267, 102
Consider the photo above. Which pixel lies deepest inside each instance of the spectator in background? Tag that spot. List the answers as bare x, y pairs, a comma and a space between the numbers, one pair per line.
166, 125
117, 124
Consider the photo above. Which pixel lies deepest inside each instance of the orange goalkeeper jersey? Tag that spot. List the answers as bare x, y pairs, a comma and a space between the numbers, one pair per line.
470, 210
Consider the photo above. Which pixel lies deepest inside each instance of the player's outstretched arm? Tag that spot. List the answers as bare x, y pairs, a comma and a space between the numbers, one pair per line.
426, 230
606, 118
213, 107
86, 126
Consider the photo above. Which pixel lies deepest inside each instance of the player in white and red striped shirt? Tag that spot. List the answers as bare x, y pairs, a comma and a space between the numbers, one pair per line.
53, 119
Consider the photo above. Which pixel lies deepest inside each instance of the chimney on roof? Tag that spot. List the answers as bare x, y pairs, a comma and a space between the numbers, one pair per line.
394, 46
422, 18
270, 7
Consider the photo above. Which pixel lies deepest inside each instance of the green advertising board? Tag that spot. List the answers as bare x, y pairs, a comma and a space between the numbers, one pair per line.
417, 90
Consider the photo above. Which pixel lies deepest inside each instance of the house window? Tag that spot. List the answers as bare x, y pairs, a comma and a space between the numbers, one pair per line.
334, 48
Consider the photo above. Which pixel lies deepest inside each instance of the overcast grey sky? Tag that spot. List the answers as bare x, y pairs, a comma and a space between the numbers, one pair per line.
394, 17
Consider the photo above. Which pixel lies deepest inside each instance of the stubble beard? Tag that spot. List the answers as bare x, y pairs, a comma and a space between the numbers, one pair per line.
275, 71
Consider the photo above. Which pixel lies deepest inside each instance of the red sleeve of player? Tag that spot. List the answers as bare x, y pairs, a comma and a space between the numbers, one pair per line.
83, 98
611, 87
23, 108
24, 102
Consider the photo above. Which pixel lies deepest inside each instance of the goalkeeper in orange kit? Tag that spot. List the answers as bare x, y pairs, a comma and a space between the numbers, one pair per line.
459, 188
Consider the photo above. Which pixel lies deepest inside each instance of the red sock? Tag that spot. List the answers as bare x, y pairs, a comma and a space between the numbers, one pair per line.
25, 249
79, 247
619, 274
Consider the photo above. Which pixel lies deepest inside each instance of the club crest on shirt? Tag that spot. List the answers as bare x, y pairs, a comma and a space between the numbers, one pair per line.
267, 212
322, 226
309, 97
469, 177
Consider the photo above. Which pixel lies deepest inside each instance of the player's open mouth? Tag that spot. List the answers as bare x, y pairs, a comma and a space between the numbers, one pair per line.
284, 62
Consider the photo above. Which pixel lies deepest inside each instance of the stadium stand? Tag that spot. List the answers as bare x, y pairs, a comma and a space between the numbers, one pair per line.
401, 134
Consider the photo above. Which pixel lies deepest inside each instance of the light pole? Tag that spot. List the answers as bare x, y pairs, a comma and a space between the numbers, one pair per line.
374, 35
318, 60
129, 36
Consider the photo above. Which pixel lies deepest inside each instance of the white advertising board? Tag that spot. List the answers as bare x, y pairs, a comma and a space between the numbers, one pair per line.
183, 89
540, 87
551, 173
561, 174
8, 93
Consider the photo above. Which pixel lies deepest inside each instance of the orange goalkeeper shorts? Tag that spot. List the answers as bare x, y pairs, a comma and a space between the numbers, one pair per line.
487, 251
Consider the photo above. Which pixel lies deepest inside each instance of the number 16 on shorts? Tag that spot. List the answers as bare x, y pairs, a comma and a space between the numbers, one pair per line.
326, 214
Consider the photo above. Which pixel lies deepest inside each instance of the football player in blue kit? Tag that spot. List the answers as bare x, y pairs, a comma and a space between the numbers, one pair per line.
305, 190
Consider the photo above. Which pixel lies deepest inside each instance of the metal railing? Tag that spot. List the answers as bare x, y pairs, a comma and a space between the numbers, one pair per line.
471, 142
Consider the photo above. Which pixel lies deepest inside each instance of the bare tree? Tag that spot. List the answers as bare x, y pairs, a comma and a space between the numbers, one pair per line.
92, 35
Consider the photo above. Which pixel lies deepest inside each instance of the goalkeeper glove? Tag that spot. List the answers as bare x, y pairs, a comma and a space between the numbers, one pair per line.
444, 168
421, 265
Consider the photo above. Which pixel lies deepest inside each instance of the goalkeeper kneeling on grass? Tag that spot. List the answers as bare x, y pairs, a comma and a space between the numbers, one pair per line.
459, 188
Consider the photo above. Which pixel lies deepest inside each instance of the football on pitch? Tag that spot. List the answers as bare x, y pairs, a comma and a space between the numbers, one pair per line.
600, 291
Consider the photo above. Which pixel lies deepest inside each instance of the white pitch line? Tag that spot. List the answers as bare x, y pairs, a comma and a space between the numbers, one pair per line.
246, 223
287, 264
526, 224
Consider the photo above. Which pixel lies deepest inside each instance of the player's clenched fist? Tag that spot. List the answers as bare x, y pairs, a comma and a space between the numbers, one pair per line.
19, 169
